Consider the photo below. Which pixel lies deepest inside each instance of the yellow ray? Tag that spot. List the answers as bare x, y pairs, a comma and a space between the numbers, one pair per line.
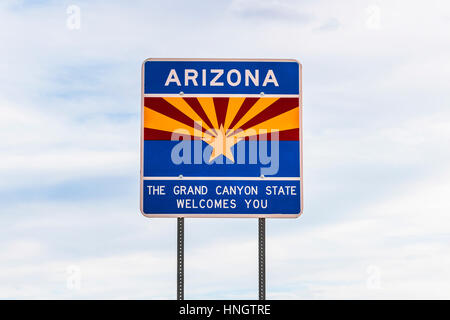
184, 107
234, 104
285, 121
259, 106
158, 121
207, 104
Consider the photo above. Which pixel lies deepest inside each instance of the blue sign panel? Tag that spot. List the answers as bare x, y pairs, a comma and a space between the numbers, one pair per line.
221, 138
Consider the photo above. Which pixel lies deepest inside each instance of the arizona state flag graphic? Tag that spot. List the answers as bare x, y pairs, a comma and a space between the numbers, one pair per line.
221, 138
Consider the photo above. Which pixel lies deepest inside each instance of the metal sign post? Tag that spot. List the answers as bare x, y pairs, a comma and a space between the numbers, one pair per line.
180, 259
221, 138
262, 257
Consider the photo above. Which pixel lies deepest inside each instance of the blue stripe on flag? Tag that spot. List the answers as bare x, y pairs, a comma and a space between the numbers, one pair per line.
158, 161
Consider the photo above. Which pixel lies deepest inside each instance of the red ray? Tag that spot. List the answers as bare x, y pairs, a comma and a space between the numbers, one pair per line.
221, 106
197, 107
154, 134
246, 105
278, 107
162, 106
285, 135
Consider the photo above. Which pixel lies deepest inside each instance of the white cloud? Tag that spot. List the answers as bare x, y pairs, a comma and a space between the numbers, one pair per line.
271, 9
39, 146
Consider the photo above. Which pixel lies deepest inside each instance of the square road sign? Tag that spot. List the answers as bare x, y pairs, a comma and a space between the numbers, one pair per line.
221, 138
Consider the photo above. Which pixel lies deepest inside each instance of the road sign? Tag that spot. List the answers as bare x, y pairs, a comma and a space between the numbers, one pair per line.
221, 138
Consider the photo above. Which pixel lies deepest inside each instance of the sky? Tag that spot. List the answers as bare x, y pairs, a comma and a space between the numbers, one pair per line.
376, 125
